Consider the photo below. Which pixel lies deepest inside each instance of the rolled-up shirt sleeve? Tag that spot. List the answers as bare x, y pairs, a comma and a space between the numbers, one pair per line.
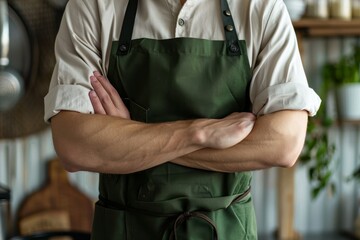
279, 81
77, 54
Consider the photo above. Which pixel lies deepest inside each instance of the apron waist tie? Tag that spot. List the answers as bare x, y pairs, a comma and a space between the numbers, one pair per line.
187, 215
181, 218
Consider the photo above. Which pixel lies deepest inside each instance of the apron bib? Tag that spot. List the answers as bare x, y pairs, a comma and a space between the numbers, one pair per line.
169, 80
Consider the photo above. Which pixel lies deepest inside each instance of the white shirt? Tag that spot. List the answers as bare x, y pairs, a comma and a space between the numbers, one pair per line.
89, 27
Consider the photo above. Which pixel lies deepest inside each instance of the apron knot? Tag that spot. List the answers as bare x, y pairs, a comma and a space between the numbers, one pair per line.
186, 216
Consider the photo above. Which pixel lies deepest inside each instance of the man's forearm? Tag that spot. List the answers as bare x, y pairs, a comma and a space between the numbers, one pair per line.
276, 140
107, 144
103, 143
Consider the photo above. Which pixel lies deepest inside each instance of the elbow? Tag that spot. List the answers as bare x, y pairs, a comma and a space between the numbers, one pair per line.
65, 155
289, 152
287, 130
287, 161
75, 156
66, 152
69, 166
65, 144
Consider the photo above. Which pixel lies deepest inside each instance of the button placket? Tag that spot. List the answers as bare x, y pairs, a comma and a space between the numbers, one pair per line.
183, 19
180, 29
180, 26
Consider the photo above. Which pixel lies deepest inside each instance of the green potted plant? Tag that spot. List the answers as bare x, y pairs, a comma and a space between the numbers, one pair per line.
344, 76
318, 151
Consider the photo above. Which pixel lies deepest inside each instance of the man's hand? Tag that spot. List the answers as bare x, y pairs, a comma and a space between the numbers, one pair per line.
105, 99
226, 132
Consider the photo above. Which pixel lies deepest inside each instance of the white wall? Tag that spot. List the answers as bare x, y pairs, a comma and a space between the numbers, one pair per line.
23, 161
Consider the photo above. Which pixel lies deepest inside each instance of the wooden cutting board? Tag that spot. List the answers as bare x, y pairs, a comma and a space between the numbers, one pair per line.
57, 206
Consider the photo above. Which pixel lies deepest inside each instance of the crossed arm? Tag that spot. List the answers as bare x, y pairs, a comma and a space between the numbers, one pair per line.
110, 142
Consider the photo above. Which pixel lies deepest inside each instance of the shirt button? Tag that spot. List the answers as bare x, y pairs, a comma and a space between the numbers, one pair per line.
181, 22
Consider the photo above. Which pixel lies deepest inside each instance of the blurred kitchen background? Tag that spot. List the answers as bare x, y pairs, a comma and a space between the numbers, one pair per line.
318, 197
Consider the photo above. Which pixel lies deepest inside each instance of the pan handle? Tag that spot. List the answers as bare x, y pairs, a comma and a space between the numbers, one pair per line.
4, 33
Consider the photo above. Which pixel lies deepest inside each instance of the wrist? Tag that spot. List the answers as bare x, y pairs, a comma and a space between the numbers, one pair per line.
197, 133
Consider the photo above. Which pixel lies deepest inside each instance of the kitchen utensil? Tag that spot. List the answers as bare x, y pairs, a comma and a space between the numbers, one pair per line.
57, 206
11, 83
33, 29
4, 212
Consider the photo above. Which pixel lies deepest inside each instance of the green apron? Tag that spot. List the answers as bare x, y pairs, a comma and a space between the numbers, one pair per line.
168, 80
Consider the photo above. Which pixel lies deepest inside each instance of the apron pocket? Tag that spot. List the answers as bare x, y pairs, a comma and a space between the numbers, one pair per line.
137, 112
108, 224
242, 215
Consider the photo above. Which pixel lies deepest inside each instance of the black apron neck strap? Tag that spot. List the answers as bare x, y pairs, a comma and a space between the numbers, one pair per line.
232, 43
127, 28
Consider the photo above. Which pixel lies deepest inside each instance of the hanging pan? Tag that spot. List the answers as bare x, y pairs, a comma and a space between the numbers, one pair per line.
33, 29
11, 83
18, 67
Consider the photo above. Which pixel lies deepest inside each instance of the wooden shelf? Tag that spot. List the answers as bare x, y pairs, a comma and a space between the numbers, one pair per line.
327, 27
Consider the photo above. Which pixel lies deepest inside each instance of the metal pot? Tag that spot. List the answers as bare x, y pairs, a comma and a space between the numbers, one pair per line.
4, 212
11, 84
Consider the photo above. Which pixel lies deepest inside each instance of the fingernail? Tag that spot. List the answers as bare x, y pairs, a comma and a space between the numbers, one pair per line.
92, 94
93, 79
96, 74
